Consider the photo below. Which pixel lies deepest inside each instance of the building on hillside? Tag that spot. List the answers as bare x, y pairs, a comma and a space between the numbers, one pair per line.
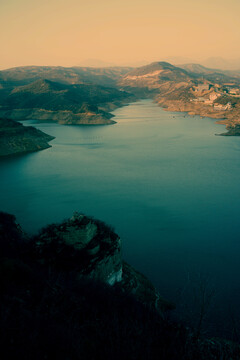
202, 87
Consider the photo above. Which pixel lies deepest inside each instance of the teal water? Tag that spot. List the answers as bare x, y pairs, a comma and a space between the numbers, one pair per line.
167, 184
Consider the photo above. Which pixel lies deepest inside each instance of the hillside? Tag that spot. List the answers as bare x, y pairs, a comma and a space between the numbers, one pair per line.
153, 75
69, 104
16, 138
81, 95
72, 75
190, 88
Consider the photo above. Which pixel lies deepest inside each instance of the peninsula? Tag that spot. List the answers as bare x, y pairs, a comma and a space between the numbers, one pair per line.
17, 139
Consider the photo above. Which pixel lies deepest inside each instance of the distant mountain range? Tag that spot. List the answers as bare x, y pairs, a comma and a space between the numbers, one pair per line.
211, 74
221, 63
97, 63
72, 75
211, 62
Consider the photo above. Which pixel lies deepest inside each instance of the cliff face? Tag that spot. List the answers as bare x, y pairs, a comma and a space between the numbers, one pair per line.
90, 248
16, 138
82, 245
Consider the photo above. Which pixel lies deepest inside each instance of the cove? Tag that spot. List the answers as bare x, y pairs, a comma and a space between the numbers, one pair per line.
163, 180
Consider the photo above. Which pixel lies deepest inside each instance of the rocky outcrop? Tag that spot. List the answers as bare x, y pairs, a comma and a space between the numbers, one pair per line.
47, 297
86, 248
90, 248
133, 282
16, 138
83, 245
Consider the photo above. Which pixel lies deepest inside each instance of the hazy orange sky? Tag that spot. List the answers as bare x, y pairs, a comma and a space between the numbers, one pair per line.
57, 32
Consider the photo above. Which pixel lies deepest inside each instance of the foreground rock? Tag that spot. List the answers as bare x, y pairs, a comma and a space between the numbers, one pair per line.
90, 248
54, 306
16, 138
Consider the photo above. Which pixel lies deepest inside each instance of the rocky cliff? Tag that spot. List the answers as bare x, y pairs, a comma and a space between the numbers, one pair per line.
90, 248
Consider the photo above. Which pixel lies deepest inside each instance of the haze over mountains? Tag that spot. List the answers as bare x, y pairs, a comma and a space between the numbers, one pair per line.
69, 75
216, 62
87, 95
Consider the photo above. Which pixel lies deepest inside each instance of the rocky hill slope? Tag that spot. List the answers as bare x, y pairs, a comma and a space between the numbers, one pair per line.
152, 76
77, 95
190, 88
67, 104
16, 138
67, 75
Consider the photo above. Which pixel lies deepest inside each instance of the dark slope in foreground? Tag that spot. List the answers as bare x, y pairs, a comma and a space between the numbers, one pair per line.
51, 309
16, 138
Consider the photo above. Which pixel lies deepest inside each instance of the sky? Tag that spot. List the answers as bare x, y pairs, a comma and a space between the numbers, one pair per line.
66, 33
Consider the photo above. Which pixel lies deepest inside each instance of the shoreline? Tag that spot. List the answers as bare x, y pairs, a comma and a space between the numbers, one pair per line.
226, 118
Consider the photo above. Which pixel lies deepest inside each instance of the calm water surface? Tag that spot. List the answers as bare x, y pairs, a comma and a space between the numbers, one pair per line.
167, 184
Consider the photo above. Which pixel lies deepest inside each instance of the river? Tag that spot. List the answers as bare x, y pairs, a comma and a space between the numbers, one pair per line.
164, 181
